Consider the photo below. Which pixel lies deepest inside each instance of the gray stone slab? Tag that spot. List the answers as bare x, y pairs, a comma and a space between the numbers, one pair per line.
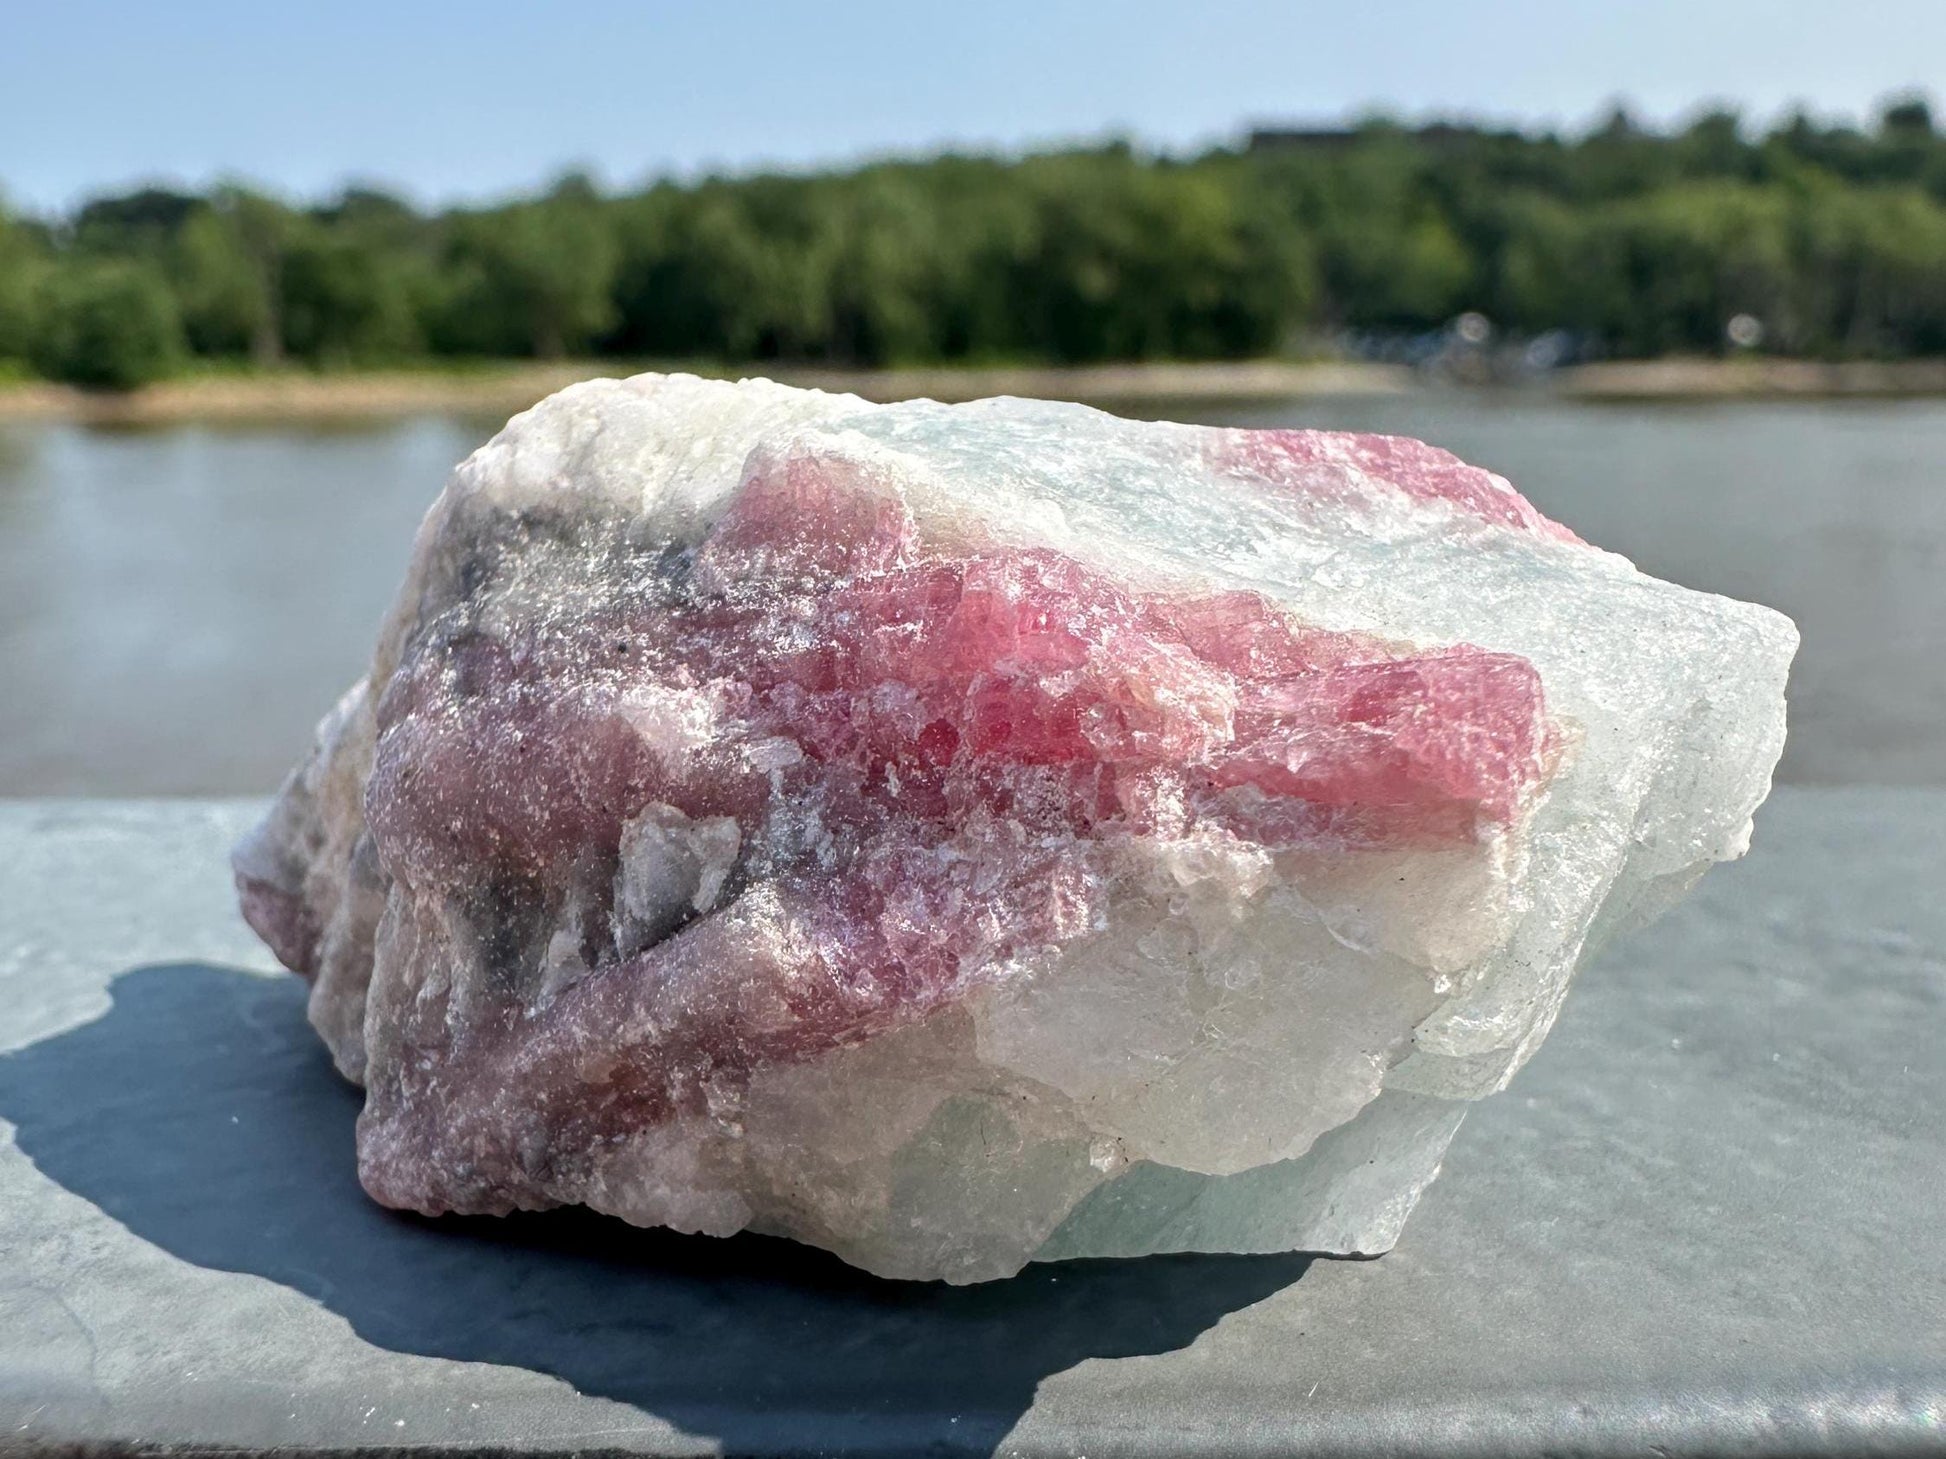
1708, 1217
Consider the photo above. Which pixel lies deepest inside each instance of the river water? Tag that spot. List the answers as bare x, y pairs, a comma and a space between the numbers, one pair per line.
178, 606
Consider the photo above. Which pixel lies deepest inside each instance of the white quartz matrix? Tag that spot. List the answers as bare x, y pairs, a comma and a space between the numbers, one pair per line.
960, 836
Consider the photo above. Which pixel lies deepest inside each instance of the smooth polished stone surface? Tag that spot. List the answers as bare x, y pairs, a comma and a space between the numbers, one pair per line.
1705, 1218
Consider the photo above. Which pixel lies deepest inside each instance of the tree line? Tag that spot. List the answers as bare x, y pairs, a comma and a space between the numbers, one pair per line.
1634, 241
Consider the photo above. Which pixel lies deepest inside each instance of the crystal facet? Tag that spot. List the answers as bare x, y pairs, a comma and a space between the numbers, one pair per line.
962, 835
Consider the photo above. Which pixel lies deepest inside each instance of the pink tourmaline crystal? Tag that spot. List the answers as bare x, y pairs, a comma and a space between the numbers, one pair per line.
957, 836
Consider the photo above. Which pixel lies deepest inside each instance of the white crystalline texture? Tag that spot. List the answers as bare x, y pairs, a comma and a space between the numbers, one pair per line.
957, 836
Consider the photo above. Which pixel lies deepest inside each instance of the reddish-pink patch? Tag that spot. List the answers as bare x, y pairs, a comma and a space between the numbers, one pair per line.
1314, 463
925, 693
283, 920
961, 735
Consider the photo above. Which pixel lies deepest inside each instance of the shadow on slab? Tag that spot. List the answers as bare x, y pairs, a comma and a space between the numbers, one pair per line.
202, 1113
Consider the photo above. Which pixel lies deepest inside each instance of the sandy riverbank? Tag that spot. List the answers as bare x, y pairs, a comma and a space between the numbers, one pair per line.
1718, 379
502, 390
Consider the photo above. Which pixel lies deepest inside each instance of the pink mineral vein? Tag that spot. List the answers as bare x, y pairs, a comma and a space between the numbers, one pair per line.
1312, 462
925, 752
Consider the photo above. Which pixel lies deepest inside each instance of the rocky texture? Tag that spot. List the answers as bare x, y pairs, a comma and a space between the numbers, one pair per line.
960, 835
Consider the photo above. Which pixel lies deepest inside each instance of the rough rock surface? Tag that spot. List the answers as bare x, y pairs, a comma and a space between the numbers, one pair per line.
963, 835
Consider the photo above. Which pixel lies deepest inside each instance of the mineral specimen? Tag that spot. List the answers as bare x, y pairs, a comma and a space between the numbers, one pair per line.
957, 836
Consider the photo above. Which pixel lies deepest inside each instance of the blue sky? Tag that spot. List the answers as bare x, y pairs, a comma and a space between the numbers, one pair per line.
450, 101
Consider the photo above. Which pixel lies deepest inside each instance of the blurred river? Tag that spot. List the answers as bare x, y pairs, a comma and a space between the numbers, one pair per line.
178, 606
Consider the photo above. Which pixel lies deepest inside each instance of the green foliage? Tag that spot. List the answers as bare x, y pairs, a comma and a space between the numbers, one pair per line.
23, 263
1639, 242
1128, 261
1682, 260
533, 279
1874, 283
226, 290
107, 324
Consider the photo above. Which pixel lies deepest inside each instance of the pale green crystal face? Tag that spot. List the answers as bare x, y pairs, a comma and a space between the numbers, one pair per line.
960, 836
